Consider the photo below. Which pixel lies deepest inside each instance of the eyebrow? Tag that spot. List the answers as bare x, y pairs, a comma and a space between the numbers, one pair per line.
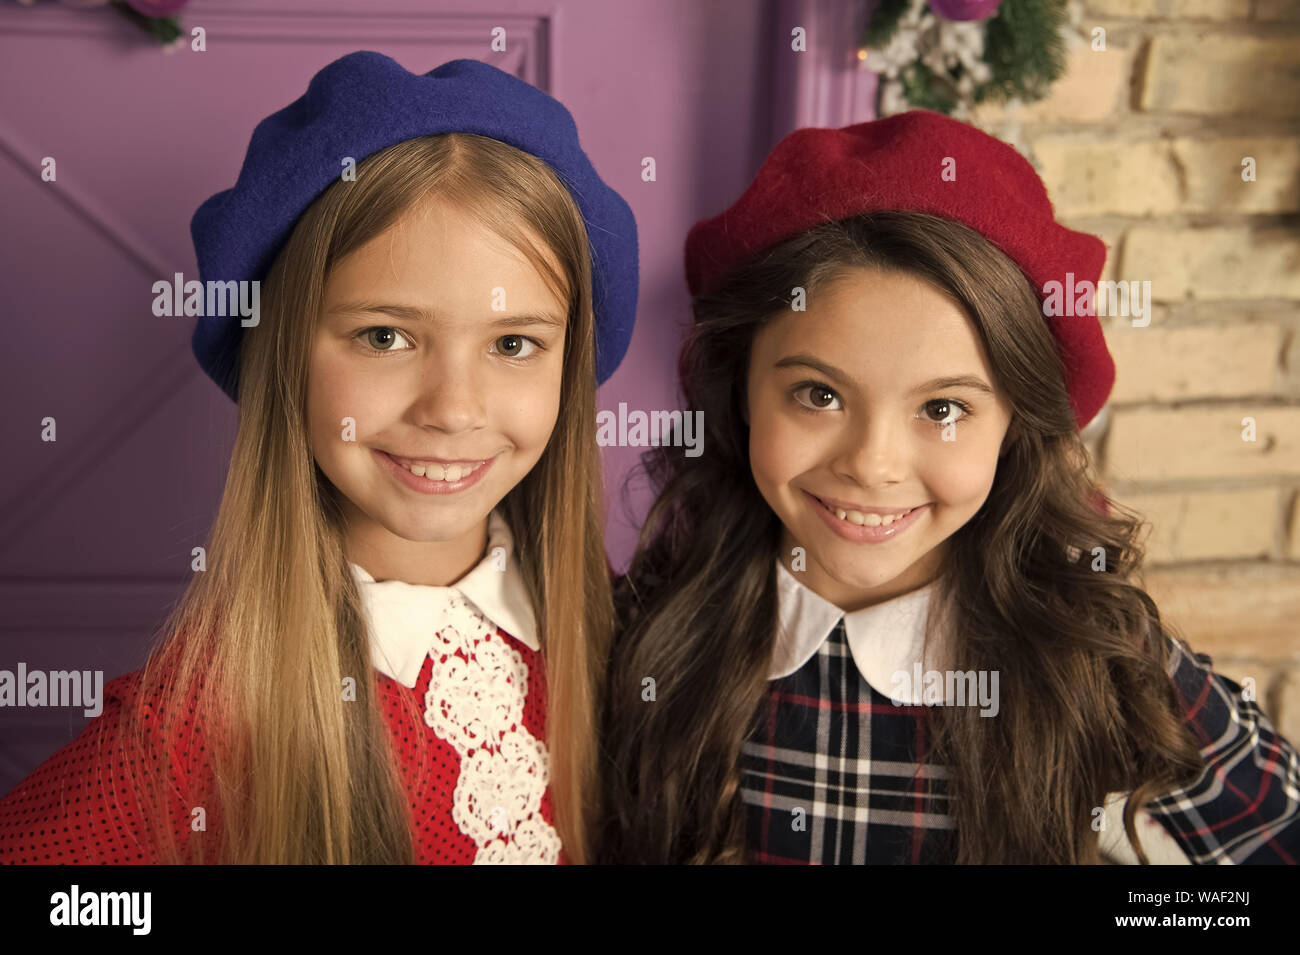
411, 313
974, 382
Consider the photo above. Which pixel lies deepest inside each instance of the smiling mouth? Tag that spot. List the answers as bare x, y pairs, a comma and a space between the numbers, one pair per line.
435, 471
866, 518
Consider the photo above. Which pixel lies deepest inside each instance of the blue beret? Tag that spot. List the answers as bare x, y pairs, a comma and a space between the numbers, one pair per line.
362, 103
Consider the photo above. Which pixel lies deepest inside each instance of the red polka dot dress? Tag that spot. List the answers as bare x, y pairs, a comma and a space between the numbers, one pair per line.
88, 802
476, 767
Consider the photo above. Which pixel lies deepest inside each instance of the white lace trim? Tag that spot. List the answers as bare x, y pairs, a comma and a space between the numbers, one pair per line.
475, 702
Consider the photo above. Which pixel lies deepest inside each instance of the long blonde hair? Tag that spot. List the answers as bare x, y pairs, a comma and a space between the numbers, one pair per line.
256, 649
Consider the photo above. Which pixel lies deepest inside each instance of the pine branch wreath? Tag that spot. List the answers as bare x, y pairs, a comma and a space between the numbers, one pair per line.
928, 61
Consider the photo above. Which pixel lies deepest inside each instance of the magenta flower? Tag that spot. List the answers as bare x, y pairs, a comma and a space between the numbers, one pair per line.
965, 9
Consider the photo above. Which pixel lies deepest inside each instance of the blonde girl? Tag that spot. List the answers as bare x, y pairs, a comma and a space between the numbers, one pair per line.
393, 653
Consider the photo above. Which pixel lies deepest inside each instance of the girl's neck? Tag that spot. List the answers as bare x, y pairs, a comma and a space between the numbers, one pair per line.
385, 556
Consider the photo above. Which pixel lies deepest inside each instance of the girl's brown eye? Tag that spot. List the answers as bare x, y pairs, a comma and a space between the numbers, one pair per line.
820, 398
382, 338
513, 346
944, 411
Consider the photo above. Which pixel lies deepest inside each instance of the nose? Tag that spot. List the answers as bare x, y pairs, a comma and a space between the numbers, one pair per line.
875, 453
451, 393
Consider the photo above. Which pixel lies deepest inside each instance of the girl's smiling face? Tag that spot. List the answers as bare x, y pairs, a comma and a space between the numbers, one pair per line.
443, 343
849, 403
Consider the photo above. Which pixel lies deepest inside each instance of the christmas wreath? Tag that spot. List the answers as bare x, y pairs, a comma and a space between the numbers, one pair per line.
948, 55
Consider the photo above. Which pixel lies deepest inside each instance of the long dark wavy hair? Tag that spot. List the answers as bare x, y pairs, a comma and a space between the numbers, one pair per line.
1087, 705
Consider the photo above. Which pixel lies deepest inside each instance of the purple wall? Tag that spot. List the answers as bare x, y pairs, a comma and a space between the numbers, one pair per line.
97, 527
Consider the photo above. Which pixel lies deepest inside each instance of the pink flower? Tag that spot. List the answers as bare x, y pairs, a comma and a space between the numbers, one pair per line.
156, 8
965, 9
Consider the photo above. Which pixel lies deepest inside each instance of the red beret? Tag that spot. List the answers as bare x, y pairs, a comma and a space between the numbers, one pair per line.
819, 175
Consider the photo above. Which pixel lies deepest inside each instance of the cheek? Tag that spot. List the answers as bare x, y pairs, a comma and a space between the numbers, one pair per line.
782, 447
960, 474
333, 395
528, 411
776, 445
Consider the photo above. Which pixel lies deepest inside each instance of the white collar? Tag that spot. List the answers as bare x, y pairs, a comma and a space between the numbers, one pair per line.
404, 617
883, 639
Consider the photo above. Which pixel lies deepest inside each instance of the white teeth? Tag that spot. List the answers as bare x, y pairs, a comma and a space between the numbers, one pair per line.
868, 520
437, 472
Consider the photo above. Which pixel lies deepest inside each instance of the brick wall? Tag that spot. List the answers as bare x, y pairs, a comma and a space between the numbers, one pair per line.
1143, 144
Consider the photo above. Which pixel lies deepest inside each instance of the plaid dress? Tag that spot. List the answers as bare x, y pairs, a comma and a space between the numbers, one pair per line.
831, 773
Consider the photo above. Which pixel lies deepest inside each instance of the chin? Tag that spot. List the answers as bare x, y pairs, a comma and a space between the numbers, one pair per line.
430, 530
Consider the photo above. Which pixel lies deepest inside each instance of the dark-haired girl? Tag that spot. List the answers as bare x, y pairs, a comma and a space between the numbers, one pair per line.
888, 616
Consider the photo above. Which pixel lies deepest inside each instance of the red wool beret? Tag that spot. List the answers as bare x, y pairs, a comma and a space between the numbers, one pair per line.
899, 163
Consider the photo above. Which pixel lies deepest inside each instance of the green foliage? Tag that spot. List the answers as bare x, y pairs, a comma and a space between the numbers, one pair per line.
924, 90
1022, 46
884, 21
162, 29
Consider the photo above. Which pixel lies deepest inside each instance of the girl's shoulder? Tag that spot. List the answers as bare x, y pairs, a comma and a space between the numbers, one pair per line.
1204, 693
93, 800
1244, 806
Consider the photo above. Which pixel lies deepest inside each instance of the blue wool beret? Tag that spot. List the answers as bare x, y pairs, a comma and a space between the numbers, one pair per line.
362, 103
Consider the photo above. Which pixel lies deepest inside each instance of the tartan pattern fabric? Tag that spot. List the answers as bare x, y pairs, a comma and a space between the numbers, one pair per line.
831, 773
